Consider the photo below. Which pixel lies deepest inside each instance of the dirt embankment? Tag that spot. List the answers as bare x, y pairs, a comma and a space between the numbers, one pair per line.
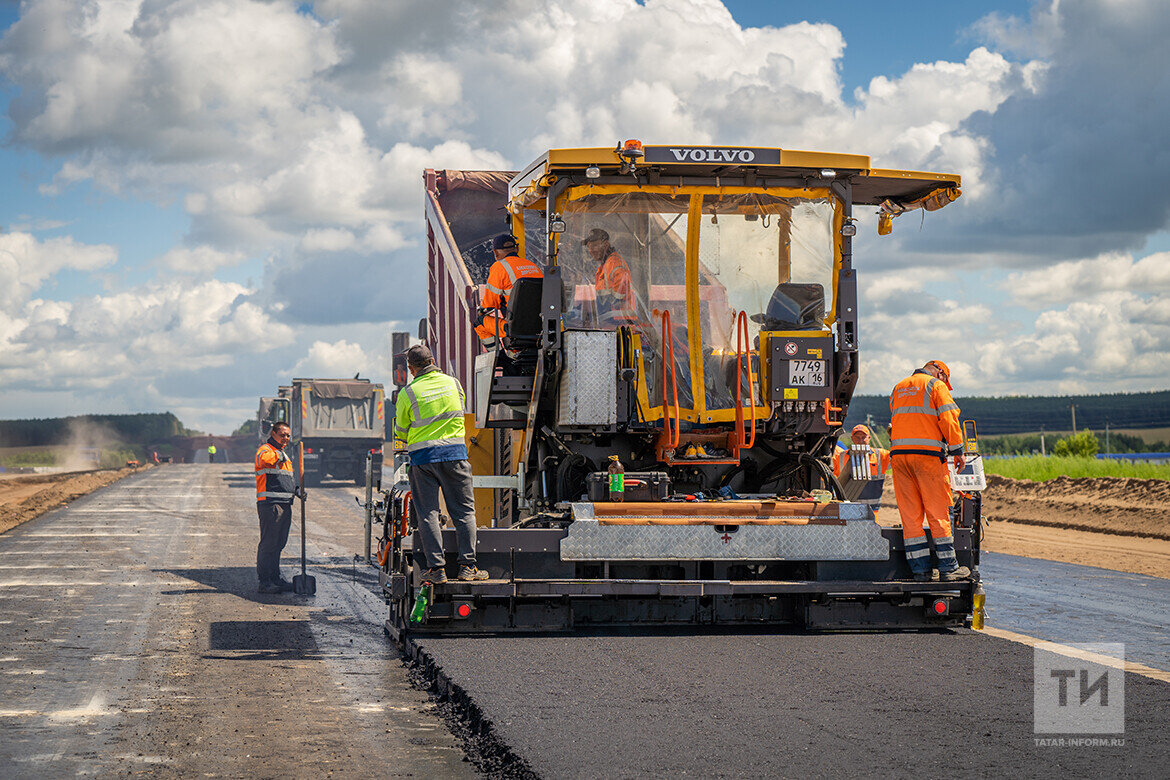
1124, 507
23, 498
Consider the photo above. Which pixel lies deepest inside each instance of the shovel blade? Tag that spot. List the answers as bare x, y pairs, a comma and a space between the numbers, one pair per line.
305, 585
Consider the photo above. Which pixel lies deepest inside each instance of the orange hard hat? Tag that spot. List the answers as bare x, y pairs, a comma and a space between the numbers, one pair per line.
941, 366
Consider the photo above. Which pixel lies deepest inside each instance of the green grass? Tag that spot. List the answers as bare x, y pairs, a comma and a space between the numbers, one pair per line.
24, 459
1040, 468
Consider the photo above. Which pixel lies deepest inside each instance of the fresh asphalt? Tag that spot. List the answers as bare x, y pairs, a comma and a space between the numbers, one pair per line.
1072, 604
132, 641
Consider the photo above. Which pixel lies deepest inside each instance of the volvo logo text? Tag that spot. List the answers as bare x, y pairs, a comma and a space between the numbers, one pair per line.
714, 155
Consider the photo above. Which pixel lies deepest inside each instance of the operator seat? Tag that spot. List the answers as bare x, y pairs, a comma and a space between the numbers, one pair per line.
794, 307
522, 318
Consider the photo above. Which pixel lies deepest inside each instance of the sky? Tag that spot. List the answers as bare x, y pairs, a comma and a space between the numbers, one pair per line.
204, 198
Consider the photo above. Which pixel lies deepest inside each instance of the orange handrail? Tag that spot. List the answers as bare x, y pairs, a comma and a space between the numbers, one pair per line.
668, 356
743, 344
404, 525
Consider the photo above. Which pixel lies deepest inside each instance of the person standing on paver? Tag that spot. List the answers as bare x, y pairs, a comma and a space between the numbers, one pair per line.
925, 431
879, 462
429, 420
275, 489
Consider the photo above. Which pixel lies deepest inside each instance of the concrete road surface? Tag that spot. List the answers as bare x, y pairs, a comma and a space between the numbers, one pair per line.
132, 640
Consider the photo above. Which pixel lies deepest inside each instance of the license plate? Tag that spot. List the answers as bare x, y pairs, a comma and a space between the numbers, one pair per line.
807, 373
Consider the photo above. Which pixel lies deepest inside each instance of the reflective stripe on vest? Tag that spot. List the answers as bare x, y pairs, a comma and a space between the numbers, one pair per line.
271, 494
917, 443
422, 445
436, 418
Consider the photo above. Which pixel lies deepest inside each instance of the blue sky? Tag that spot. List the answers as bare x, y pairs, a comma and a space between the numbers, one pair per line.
204, 198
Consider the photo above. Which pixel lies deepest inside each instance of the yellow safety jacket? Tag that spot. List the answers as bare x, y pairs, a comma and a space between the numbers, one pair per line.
429, 418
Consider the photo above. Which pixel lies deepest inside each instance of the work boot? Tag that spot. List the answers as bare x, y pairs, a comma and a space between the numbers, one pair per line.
922, 576
435, 576
269, 587
285, 586
960, 573
471, 574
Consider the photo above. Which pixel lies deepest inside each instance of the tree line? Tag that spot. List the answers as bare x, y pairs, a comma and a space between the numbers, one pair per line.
1027, 414
91, 429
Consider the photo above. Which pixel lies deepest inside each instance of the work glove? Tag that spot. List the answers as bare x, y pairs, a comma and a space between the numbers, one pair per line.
960, 462
301, 494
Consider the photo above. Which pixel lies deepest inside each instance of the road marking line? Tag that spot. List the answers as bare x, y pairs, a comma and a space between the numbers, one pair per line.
97, 706
63, 583
1084, 655
132, 510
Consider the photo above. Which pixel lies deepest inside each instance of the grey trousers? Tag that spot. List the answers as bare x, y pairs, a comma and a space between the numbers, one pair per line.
453, 477
275, 520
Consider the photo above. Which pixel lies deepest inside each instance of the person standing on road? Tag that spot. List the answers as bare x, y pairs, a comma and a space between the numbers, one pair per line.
275, 489
503, 274
429, 420
879, 461
211, 453
925, 431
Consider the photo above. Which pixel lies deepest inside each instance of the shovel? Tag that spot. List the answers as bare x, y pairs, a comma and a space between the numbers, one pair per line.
303, 584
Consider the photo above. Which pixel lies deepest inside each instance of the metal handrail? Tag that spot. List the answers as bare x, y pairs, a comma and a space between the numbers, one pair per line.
668, 355
742, 346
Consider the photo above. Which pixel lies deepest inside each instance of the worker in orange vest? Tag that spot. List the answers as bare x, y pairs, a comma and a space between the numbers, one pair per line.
879, 461
504, 272
925, 432
614, 285
275, 489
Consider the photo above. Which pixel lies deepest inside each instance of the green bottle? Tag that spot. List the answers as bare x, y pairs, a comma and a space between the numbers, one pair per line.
617, 479
421, 603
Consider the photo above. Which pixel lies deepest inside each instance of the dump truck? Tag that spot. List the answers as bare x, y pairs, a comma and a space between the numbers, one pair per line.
718, 373
340, 421
271, 411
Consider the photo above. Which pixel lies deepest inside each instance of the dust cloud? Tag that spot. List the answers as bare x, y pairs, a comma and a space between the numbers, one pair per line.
87, 439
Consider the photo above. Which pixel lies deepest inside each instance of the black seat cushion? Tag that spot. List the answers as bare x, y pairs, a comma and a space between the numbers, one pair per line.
794, 307
523, 313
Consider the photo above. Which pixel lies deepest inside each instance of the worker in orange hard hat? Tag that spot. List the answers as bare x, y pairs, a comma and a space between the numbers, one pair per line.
879, 461
615, 287
504, 272
925, 431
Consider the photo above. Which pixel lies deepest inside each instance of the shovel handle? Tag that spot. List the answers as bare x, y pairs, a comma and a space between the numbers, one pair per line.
301, 483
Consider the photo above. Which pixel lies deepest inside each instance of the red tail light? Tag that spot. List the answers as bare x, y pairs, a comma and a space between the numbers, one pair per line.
939, 607
308, 450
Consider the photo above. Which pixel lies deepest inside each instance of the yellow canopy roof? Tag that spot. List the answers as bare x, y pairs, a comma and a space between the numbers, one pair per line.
871, 186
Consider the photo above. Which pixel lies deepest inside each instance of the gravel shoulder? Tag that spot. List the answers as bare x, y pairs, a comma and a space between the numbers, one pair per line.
23, 498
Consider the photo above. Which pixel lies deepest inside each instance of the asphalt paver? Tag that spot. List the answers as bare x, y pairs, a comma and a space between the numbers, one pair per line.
776, 704
133, 641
